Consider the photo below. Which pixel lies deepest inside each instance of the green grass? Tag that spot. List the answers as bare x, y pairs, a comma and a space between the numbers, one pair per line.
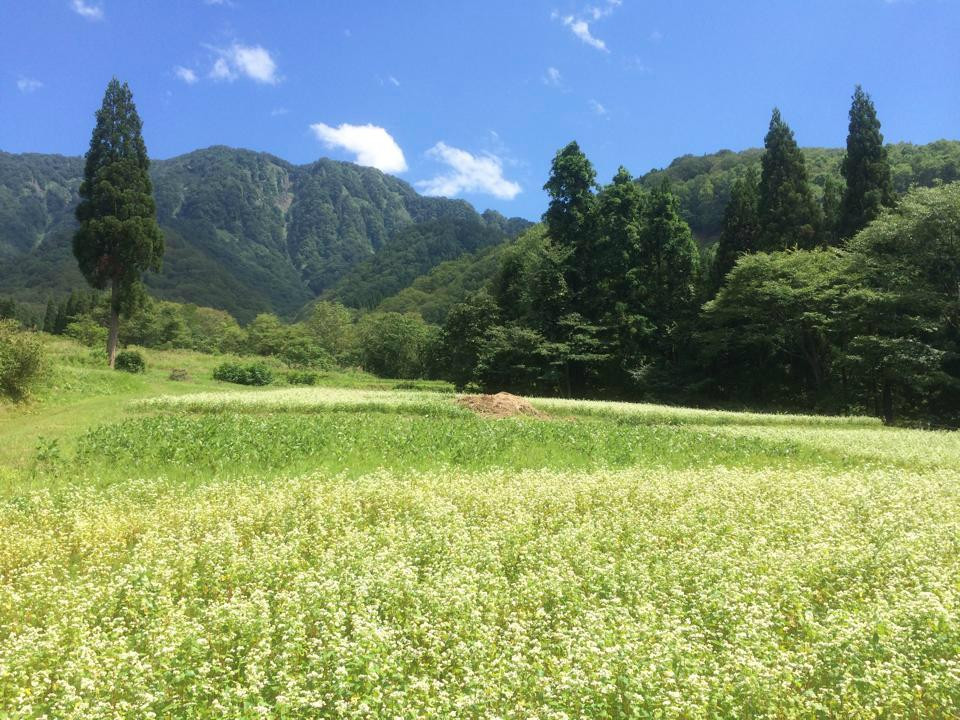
194, 550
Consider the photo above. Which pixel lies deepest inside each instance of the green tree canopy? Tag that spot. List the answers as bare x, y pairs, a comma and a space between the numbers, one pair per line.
118, 238
865, 167
741, 227
789, 217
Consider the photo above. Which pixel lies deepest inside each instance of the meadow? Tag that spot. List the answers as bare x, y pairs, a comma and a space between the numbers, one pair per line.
367, 549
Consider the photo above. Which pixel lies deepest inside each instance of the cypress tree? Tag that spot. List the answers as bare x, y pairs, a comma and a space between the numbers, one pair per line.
669, 260
788, 213
50, 317
865, 167
118, 237
570, 215
741, 227
830, 209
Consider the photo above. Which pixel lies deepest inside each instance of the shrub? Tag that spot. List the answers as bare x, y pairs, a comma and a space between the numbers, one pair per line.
22, 361
86, 331
130, 361
301, 377
179, 375
251, 374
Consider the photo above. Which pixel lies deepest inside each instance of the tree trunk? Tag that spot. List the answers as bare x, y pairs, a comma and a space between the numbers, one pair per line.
114, 326
887, 403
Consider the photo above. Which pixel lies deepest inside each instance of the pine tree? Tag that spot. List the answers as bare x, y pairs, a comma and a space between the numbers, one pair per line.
789, 215
741, 227
865, 167
118, 237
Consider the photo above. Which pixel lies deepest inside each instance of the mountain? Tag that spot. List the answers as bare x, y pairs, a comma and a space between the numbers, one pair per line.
703, 185
246, 232
703, 182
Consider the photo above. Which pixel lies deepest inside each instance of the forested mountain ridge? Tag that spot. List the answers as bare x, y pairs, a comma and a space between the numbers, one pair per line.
245, 231
703, 183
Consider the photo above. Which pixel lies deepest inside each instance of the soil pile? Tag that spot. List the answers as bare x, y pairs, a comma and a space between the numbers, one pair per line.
500, 405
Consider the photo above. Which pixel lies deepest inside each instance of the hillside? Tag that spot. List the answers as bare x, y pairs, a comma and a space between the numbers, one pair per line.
703, 182
245, 231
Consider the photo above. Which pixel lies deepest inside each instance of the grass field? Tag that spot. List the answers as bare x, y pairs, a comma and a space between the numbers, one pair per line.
192, 550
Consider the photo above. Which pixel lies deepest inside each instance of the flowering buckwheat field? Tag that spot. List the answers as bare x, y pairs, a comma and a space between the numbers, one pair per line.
332, 553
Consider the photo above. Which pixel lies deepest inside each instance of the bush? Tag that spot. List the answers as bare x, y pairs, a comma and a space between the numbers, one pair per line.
130, 361
301, 377
86, 331
179, 375
22, 361
251, 374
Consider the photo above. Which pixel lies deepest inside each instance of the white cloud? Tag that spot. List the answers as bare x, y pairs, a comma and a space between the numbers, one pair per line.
251, 61
87, 10
277, 112
371, 145
581, 28
394, 81
656, 36
28, 85
598, 12
597, 108
468, 173
580, 24
552, 77
186, 74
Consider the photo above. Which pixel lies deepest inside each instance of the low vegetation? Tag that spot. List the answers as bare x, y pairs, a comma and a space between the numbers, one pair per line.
380, 552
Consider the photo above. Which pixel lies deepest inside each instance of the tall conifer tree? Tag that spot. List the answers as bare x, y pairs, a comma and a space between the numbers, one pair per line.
789, 216
570, 215
741, 227
118, 238
865, 167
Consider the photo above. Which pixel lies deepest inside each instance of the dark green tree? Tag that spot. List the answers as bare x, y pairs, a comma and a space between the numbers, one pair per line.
789, 216
118, 238
904, 311
830, 210
50, 317
464, 337
865, 167
741, 227
620, 219
570, 215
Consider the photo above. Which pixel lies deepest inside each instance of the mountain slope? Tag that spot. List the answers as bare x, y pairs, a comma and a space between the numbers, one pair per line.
703, 182
246, 232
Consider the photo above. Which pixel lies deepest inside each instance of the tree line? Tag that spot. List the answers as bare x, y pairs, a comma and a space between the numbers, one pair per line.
846, 304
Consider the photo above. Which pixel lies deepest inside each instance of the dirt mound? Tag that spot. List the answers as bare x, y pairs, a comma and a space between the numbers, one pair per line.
500, 405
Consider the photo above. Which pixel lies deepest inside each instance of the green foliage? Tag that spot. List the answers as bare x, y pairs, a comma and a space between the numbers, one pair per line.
256, 373
434, 294
179, 375
87, 331
118, 238
789, 218
22, 361
904, 311
865, 167
130, 361
301, 377
415, 250
766, 334
394, 345
741, 227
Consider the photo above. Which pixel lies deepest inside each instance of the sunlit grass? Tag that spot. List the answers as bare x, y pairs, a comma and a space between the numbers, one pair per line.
195, 550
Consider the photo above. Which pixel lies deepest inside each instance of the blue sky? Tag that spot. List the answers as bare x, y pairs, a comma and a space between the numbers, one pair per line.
472, 99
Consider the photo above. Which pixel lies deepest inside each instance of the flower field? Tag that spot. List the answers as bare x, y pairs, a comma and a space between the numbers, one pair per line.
375, 554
